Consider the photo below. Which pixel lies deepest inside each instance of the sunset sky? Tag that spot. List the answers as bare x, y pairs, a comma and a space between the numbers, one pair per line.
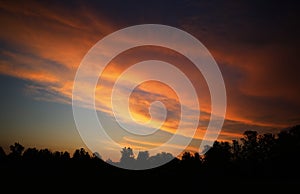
42, 43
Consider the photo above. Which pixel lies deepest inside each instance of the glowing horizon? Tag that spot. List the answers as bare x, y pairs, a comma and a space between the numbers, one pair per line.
42, 46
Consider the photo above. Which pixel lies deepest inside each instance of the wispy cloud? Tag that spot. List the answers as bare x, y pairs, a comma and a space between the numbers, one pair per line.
44, 44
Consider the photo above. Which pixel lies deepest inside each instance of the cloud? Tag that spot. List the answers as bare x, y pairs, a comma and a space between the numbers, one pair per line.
44, 44
255, 46
264, 89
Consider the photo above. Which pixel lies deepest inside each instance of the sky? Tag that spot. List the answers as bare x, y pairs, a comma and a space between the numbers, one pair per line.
42, 44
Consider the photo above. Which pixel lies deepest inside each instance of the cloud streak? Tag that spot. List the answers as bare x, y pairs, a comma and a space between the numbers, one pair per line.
44, 43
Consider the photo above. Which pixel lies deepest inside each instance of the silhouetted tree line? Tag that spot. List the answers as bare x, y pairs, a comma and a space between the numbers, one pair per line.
252, 157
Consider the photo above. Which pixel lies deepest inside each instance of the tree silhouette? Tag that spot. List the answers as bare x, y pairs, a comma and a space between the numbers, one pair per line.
61, 155
143, 156
160, 158
45, 154
127, 158
236, 150
142, 160
288, 151
16, 150
97, 155
186, 156
266, 145
191, 162
250, 146
255, 156
2, 154
81, 154
218, 158
31, 154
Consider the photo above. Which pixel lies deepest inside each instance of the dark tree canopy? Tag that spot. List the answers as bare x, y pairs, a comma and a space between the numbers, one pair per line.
270, 156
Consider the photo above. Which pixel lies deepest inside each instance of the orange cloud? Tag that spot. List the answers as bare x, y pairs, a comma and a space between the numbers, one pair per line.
46, 45
152, 91
260, 81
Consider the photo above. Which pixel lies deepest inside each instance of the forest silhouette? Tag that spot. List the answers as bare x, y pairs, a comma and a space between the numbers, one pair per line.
254, 157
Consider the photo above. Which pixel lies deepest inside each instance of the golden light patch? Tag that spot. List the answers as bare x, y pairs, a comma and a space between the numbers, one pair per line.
142, 97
